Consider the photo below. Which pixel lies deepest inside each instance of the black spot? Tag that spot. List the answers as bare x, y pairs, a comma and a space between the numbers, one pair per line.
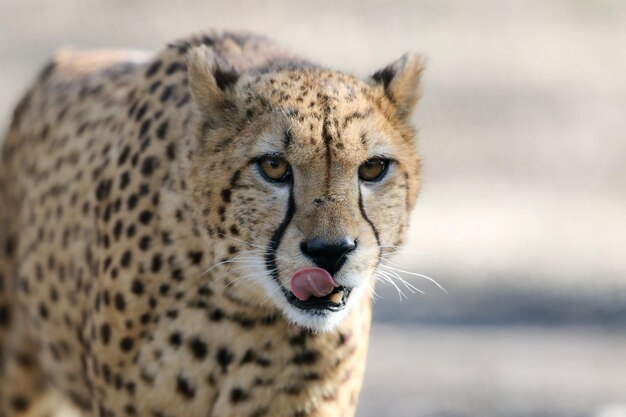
154, 86
226, 193
145, 216
177, 274
126, 344
175, 66
184, 388
166, 93
103, 189
183, 100
119, 301
130, 387
311, 376
137, 287
205, 291
5, 316
293, 389
243, 321
124, 180
144, 189
248, 357
43, 311
265, 363
123, 155
153, 69
224, 358
132, 201
130, 409
176, 339
156, 263
299, 339
126, 258
148, 165
9, 246
216, 315
144, 127
141, 112
195, 257
162, 130
145, 318
117, 229
19, 403
308, 357
198, 348
144, 243
171, 151
105, 333
54, 294
238, 395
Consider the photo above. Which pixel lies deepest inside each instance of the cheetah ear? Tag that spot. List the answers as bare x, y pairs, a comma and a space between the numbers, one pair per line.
211, 83
400, 80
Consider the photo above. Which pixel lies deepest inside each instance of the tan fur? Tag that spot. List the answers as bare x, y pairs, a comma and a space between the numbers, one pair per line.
134, 229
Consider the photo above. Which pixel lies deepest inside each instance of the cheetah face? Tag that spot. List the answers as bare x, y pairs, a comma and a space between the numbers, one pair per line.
309, 175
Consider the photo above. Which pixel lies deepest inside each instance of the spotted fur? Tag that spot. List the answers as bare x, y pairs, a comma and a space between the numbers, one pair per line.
144, 260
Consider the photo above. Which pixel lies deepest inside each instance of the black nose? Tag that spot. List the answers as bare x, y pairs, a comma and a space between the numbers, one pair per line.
328, 255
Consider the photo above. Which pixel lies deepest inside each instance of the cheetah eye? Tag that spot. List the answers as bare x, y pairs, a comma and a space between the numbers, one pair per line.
274, 168
373, 169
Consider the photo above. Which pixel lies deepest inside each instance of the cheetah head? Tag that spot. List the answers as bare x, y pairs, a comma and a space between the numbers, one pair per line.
307, 176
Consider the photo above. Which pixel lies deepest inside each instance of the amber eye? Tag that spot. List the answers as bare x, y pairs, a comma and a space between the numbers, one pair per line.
274, 168
373, 169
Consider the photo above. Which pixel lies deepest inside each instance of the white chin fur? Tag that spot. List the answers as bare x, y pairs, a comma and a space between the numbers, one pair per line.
320, 321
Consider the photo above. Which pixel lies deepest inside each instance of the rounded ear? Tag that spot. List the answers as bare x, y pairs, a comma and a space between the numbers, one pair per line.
400, 80
211, 83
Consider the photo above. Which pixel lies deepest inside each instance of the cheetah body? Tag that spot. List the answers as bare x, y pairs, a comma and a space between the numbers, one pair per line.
135, 232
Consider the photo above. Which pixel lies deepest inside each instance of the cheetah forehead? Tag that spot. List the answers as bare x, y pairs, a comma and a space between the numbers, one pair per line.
311, 103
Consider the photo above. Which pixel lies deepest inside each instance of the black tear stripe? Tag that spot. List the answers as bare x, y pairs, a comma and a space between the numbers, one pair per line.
376, 235
270, 255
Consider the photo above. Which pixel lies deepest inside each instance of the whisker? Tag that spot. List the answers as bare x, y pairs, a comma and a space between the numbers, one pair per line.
407, 284
386, 278
414, 274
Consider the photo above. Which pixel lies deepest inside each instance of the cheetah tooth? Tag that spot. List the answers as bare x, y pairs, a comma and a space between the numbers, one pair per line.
336, 297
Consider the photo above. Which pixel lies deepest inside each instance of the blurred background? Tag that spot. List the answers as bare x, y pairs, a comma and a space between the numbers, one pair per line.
522, 217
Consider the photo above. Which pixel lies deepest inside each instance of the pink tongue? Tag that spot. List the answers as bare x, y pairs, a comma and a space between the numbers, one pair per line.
309, 282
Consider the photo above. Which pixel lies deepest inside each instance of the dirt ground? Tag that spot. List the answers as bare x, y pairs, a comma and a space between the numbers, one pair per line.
522, 217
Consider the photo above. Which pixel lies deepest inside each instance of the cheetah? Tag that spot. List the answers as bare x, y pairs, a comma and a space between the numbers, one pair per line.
196, 232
